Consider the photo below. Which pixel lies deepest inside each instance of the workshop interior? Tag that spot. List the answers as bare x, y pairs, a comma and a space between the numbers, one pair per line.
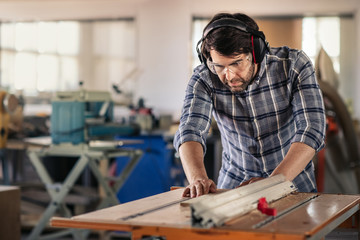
91, 95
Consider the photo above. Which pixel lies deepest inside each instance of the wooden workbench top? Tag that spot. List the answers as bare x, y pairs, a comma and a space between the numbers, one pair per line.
314, 218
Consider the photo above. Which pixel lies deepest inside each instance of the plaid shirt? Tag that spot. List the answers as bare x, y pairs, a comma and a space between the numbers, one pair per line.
258, 125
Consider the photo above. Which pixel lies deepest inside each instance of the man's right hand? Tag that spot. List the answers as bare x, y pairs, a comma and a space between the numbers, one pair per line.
200, 187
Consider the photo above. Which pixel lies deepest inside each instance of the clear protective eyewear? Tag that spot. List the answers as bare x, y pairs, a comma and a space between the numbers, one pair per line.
237, 65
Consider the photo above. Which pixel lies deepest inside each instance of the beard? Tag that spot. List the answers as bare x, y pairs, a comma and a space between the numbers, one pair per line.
240, 84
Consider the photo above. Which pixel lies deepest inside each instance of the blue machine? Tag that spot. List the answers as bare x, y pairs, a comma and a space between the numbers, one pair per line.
152, 175
80, 116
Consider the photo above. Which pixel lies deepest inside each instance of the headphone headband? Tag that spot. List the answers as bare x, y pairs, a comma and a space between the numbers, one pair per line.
231, 22
260, 45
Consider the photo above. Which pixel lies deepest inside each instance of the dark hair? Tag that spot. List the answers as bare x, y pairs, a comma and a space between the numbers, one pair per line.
229, 41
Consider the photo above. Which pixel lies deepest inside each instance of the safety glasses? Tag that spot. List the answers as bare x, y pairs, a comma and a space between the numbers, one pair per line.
238, 65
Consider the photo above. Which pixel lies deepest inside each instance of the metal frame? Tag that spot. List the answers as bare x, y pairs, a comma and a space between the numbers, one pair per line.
87, 157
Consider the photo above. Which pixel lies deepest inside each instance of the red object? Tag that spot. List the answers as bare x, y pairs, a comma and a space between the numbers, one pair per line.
320, 173
263, 207
331, 130
270, 211
262, 204
252, 43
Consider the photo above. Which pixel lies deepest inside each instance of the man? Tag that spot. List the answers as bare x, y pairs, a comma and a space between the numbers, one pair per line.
267, 105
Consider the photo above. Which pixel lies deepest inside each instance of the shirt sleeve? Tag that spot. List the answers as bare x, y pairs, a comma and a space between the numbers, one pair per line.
308, 105
197, 109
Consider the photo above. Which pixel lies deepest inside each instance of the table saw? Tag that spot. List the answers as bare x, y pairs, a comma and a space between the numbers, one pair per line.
171, 216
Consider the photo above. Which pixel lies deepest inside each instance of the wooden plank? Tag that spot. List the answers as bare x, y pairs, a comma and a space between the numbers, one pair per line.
179, 218
116, 213
175, 216
202, 198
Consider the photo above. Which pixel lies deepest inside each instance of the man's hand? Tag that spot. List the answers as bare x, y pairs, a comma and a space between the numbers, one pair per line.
199, 187
252, 180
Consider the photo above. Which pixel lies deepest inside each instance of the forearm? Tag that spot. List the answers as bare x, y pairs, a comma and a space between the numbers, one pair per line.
298, 156
192, 159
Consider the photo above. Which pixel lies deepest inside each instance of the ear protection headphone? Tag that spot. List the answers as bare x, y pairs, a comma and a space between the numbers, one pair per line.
259, 44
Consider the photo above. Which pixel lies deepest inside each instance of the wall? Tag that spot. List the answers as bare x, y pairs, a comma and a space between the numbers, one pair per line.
164, 53
276, 29
348, 63
164, 34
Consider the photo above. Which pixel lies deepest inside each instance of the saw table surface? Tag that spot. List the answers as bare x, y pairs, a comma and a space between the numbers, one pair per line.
168, 216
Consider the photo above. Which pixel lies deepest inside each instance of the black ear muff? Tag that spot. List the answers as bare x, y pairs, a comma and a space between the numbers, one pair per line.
198, 50
260, 45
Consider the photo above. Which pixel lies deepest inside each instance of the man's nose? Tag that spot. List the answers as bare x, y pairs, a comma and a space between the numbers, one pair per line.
229, 74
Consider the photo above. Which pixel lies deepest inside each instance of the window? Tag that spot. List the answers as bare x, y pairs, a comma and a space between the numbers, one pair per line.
113, 52
197, 30
56, 55
316, 34
39, 56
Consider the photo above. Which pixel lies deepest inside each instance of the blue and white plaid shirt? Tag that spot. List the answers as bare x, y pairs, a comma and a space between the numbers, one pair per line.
283, 105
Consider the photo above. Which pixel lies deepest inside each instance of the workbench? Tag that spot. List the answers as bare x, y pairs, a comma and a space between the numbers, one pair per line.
167, 216
89, 156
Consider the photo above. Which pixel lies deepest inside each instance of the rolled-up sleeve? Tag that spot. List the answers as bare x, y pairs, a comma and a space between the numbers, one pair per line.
308, 105
196, 114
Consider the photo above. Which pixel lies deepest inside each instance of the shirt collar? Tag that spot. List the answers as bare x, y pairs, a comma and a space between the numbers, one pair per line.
261, 70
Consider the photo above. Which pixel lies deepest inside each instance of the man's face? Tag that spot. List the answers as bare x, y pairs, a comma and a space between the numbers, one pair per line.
236, 72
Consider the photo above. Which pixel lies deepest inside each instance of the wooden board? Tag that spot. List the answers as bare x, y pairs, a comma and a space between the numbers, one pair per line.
174, 221
117, 213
